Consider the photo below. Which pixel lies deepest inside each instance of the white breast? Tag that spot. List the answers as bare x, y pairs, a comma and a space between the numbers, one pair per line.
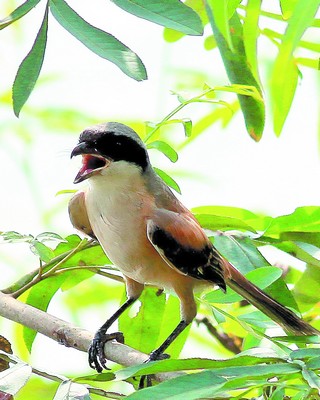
118, 207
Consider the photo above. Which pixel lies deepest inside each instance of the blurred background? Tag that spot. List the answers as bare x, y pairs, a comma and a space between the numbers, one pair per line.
224, 166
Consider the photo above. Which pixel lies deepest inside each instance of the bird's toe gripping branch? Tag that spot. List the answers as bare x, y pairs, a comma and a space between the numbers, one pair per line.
97, 358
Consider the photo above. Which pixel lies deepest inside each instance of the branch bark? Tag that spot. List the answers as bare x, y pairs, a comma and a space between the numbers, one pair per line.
68, 334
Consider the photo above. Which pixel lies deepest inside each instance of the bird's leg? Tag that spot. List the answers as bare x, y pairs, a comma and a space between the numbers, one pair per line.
97, 359
158, 353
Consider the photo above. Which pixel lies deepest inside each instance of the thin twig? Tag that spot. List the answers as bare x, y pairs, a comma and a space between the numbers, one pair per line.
232, 344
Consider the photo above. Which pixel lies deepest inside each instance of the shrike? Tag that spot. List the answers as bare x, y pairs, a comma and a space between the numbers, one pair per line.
150, 235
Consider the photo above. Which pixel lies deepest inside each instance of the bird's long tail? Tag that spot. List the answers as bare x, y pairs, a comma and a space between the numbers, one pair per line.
287, 319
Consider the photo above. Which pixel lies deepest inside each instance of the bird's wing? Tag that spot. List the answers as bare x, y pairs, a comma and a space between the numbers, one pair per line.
78, 214
183, 244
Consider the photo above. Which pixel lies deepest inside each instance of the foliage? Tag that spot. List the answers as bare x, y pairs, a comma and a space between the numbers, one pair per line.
255, 370
235, 30
254, 364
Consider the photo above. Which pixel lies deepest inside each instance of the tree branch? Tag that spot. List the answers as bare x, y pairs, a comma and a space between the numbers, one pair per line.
69, 335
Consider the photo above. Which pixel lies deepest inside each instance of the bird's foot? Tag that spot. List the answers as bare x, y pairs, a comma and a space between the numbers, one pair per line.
97, 358
145, 380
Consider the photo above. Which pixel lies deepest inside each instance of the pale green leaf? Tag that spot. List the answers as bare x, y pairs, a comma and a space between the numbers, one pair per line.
172, 14
168, 180
102, 43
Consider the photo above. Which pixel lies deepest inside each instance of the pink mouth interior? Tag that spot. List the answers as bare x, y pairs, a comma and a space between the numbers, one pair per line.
90, 163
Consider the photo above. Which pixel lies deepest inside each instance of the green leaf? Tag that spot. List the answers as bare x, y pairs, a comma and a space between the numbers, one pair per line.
287, 7
102, 43
41, 250
239, 72
250, 34
217, 222
14, 378
170, 320
249, 357
307, 289
285, 72
16, 237
261, 277
40, 297
142, 331
69, 390
101, 377
29, 69
165, 149
18, 13
303, 219
241, 252
168, 180
171, 14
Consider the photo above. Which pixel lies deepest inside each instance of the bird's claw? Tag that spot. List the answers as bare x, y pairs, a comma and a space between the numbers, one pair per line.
97, 358
145, 380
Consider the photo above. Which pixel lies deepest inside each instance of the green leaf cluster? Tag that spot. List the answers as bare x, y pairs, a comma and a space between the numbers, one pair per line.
235, 33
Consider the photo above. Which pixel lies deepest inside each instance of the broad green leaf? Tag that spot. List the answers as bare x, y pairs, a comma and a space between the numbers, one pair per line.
239, 72
306, 290
218, 222
172, 14
18, 13
168, 180
241, 252
304, 354
29, 69
75, 278
165, 149
303, 219
285, 73
142, 331
261, 277
40, 296
47, 236
170, 320
98, 41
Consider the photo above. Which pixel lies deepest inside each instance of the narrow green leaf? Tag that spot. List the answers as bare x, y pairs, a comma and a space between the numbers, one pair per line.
172, 14
187, 125
285, 73
240, 72
250, 34
165, 149
102, 43
220, 14
30, 68
283, 87
249, 357
168, 180
18, 13
16, 237
217, 222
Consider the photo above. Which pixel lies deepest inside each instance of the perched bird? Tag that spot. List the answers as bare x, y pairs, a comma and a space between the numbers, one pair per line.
150, 235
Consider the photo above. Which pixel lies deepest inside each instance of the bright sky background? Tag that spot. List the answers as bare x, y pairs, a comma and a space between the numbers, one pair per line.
274, 176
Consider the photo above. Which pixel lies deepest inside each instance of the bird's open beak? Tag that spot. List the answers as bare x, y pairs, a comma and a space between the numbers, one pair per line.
92, 161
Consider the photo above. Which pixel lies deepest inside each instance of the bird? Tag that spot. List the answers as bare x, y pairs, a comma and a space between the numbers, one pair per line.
150, 236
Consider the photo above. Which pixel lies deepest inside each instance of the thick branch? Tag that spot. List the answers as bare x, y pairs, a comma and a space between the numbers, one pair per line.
67, 334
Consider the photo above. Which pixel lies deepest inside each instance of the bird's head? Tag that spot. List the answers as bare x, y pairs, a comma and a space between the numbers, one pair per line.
103, 145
